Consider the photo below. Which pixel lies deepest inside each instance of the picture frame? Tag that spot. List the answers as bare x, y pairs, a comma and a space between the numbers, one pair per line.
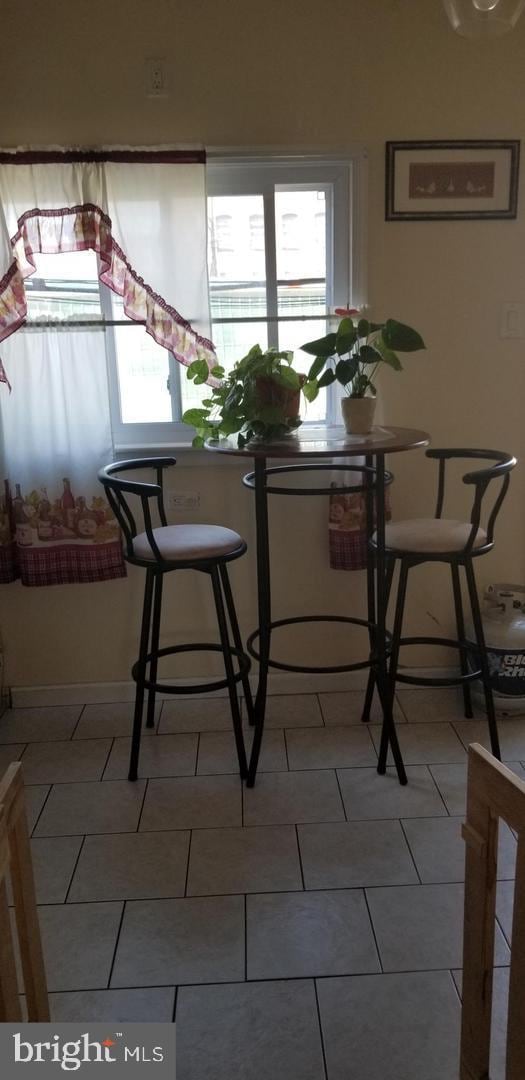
452, 180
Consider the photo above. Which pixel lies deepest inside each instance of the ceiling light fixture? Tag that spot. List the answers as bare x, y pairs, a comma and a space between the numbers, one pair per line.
483, 18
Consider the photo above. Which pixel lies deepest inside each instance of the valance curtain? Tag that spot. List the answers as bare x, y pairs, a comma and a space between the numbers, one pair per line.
144, 214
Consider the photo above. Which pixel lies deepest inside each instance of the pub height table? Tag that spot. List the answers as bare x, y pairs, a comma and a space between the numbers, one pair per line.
315, 451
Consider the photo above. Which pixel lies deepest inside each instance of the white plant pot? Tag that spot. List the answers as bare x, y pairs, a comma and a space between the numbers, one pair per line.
358, 414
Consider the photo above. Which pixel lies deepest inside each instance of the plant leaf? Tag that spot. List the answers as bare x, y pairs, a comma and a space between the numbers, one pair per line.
326, 379
316, 367
288, 377
398, 336
387, 354
368, 354
322, 347
311, 390
217, 371
346, 337
195, 417
346, 370
363, 328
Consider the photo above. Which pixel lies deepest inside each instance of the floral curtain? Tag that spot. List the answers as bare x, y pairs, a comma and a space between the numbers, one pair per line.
144, 216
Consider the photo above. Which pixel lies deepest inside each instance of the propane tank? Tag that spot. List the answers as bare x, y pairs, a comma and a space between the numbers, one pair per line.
503, 615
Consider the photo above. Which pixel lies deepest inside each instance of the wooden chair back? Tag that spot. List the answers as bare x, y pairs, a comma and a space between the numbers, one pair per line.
493, 792
15, 859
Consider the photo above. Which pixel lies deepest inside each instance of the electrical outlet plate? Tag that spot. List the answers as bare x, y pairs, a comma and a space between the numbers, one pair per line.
182, 500
156, 78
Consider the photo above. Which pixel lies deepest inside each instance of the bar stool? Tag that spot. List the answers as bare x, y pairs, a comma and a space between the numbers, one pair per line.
456, 543
206, 548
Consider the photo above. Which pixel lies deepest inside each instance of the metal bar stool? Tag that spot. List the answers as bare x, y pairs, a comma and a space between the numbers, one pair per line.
206, 548
456, 543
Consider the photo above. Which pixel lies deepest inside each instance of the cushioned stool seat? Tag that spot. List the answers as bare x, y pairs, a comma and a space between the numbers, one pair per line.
185, 542
428, 535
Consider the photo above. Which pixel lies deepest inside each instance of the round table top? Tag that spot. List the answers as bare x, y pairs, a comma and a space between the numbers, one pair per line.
324, 441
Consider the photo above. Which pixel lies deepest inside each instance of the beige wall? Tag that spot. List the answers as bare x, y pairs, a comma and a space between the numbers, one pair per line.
288, 74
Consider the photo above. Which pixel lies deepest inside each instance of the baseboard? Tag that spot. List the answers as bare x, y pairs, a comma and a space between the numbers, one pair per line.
278, 683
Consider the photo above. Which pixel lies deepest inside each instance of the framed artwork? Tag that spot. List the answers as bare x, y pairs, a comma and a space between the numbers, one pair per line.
448, 181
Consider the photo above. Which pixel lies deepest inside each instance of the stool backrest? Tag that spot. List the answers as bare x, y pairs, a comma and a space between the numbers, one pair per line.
499, 470
493, 792
15, 859
118, 491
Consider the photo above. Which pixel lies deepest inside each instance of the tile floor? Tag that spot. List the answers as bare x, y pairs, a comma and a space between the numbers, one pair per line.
309, 929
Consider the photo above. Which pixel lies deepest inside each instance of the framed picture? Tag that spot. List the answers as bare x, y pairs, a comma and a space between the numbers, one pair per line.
445, 181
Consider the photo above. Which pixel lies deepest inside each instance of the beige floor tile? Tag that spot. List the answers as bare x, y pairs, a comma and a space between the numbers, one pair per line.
39, 725
366, 795
391, 1027
113, 719
452, 783
127, 866
65, 762
295, 935
330, 748
346, 707
217, 753
243, 860
289, 798
420, 927
260, 1031
511, 736
431, 705
10, 753
439, 849
54, 860
160, 755
35, 796
72, 809
425, 744
293, 710
181, 941
500, 1004
78, 942
195, 714
146, 1005
354, 854
192, 802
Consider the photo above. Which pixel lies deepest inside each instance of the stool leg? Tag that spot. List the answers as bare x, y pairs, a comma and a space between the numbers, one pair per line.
394, 656
230, 675
155, 633
232, 614
370, 686
460, 623
141, 675
483, 662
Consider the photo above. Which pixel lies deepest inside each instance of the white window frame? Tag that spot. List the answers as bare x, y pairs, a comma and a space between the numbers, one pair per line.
344, 178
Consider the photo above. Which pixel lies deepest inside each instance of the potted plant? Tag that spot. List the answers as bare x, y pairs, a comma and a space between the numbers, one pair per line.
258, 398
357, 348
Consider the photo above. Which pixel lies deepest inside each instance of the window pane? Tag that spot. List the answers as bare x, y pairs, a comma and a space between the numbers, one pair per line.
237, 270
300, 226
143, 372
64, 286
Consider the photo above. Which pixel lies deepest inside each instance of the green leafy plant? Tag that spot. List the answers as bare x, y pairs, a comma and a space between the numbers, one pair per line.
357, 348
258, 398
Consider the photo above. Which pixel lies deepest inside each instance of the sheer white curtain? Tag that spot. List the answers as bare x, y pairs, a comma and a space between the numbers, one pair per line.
144, 214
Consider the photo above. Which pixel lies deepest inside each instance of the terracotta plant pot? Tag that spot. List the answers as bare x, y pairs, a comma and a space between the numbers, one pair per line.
270, 392
358, 414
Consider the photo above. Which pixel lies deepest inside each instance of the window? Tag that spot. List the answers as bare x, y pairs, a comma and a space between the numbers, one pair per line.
283, 249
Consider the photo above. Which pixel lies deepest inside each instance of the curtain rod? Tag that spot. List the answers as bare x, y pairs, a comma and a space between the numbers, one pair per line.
59, 324
140, 157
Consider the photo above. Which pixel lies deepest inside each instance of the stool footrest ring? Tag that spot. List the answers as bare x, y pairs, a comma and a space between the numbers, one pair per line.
450, 680
307, 669
193, 688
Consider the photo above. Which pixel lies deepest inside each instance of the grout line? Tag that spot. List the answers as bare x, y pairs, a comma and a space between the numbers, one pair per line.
108, 755
175, 1003
286, 751
456, 987
438, 789
197, 754
321, 1036
300, 857
373, 929
117, 939
319, 706
146, 785
245, 937
340, 793
407, 842
72, 736
77, 860
42, 808
188, 865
